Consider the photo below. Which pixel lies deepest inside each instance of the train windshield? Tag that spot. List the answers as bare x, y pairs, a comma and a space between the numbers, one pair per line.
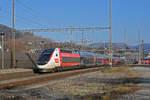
45, 56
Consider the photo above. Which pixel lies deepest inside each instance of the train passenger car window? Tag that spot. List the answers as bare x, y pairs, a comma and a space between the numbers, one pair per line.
75, 52
82, 53
65, 51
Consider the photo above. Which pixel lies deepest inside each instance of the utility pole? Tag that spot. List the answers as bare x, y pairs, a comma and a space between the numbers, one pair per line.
104, 47
110, 31
13, 37
139, 58
125, 44
92, 45
2, 35
82, 40
92, 41
71, 37
142, 46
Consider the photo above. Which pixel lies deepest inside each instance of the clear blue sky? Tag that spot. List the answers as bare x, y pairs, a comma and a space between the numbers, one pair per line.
127, 14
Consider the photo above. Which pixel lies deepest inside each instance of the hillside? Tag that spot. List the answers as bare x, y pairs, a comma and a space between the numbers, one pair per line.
8, 32
24, 40
101, 45
121, 46
146, 47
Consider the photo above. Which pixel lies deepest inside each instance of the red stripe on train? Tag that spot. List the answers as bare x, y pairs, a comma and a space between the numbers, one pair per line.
69, 64
69, 55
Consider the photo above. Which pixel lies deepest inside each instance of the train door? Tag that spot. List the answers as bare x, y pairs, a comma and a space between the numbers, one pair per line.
57, 58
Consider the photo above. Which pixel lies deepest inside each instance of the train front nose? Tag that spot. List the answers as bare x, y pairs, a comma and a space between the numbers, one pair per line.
42, 62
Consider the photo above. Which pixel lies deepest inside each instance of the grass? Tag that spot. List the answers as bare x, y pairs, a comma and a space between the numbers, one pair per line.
117, 69
126, 89
127, 70
120, 90
80, 88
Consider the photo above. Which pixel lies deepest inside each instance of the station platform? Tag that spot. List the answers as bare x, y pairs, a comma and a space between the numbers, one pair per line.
15, 70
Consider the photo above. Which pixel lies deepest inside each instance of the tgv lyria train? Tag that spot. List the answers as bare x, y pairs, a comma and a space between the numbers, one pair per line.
55, 59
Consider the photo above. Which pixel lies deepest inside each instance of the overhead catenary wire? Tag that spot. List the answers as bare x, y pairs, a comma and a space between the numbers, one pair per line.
31, 12
18, 19
27, 20
23, 19
27, 10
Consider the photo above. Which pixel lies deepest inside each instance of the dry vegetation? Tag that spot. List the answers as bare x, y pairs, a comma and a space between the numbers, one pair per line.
89, 89
117, 69
123, 89
120, 90
127, 70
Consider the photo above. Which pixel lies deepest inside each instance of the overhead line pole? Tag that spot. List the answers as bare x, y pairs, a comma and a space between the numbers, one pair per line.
142, 49
125, 44
139, 57
110, 31
71, 38
82, 40
2, 49
13, 37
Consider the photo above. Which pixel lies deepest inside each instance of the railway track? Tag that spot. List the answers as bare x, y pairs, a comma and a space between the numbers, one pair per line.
33, 79
10, 76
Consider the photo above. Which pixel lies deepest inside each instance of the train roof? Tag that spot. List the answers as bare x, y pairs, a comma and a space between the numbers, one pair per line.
85, 53
147, 58
82, 53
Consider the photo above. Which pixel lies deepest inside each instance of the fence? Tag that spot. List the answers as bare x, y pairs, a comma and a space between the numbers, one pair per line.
23, 60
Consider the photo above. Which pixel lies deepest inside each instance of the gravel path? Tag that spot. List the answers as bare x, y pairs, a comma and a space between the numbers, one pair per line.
144, 85
17, 70
80, 87
144, 92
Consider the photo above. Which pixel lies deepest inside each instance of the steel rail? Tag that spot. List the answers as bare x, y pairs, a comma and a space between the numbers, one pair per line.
47, 78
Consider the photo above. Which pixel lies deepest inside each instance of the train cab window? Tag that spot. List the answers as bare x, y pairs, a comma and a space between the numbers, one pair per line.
49, 51
45, 56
